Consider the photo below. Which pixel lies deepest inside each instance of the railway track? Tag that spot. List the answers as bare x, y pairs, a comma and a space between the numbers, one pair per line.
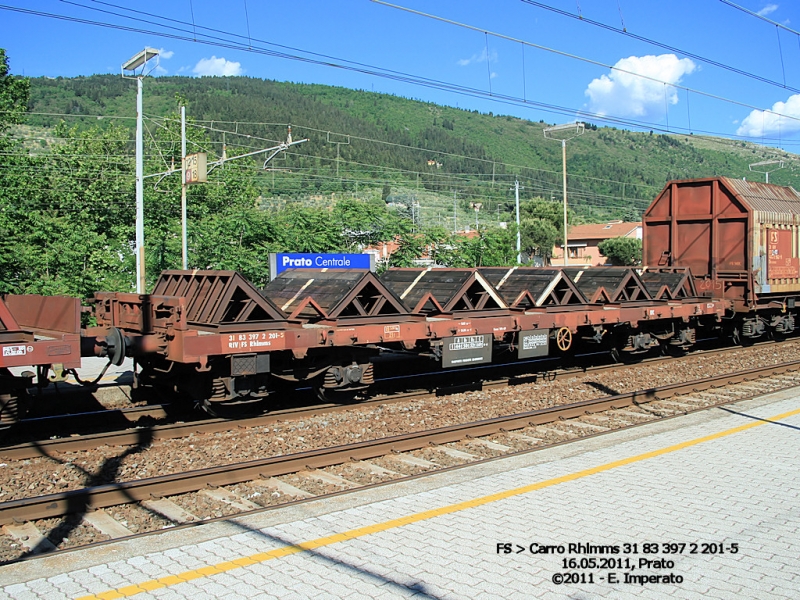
130, 420
455, 445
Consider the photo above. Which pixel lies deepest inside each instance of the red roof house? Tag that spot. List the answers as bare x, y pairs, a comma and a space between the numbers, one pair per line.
582, 241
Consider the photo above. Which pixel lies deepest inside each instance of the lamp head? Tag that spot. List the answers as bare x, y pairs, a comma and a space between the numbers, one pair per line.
567, 131
139, 59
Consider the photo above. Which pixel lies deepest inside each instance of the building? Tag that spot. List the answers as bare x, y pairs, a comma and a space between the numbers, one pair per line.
582, 241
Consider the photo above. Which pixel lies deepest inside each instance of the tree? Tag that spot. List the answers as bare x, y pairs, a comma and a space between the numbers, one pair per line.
553, 212
14, 93
622, 251
362, 223
538, 237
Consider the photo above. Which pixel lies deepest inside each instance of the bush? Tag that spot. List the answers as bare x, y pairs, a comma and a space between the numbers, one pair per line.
622, 251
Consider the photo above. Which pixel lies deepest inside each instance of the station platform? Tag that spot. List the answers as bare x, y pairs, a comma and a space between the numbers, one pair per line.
700, 506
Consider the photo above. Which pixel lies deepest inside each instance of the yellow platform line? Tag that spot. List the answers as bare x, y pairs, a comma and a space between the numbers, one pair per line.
154, 584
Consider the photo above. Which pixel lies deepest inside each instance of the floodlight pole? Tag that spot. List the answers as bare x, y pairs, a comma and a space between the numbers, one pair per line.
139, 60
140, 264
564, 178
767, 170
562, 133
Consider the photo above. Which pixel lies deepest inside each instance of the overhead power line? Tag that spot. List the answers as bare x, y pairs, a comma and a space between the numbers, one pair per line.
757, 16
189, 34
586, 60
647, 40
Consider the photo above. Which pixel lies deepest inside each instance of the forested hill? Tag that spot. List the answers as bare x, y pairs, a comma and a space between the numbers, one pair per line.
382, 138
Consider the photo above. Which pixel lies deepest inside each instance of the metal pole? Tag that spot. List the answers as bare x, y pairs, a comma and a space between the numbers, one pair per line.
564, 163
184, 248
569, 131
519, 235
140, 265
455, 214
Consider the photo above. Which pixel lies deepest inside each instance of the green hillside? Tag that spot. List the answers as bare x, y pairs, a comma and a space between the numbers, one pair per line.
376, 168
385, 143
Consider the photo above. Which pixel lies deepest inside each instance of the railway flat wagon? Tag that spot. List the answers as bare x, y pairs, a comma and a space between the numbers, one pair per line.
741, 241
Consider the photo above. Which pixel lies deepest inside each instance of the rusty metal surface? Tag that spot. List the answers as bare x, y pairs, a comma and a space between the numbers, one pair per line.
609, 285
215, 298
32, 312
452, 290
7, 321
725, 231
190, 345
61, 504
365, 311
27, 317
315, 295
765, 197
669, 283
527, 287
140, 313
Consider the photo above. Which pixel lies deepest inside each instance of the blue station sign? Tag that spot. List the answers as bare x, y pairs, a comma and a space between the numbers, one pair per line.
280, 262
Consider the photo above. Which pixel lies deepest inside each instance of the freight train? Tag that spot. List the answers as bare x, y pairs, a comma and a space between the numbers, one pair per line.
723, 261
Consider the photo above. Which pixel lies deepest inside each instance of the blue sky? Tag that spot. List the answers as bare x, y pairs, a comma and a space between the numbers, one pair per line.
543, 64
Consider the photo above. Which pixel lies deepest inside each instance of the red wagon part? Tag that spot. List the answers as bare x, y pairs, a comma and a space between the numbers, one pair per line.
427, 291
609, 284
739, 238
530, 287
203, 343
40, 331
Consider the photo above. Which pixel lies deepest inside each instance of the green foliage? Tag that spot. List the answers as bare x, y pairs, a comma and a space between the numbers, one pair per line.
67, 204
14, 94
67, 217
538, 237
492, 246
542, 226
622, 251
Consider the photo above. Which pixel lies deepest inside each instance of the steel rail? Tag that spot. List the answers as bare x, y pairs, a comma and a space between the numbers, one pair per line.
46, 447
92, 498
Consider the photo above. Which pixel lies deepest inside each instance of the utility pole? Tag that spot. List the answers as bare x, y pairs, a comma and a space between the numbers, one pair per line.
195, 169
519, 233
476, 206
141, 277
139, 60
563, 133
455, 213
184, 245
345, 140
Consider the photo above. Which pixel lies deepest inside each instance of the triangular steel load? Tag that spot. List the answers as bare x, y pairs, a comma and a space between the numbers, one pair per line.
669, 284
608, 285
530, 287
443, 290
335, 294
218, 298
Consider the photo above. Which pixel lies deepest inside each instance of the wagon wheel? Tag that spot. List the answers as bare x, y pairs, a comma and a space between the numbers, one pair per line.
564, 339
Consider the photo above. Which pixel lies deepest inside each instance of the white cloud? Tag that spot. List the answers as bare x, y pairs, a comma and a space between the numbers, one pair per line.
478, 58
767, 10
623, 93
166, 54
217, 67
782, 119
